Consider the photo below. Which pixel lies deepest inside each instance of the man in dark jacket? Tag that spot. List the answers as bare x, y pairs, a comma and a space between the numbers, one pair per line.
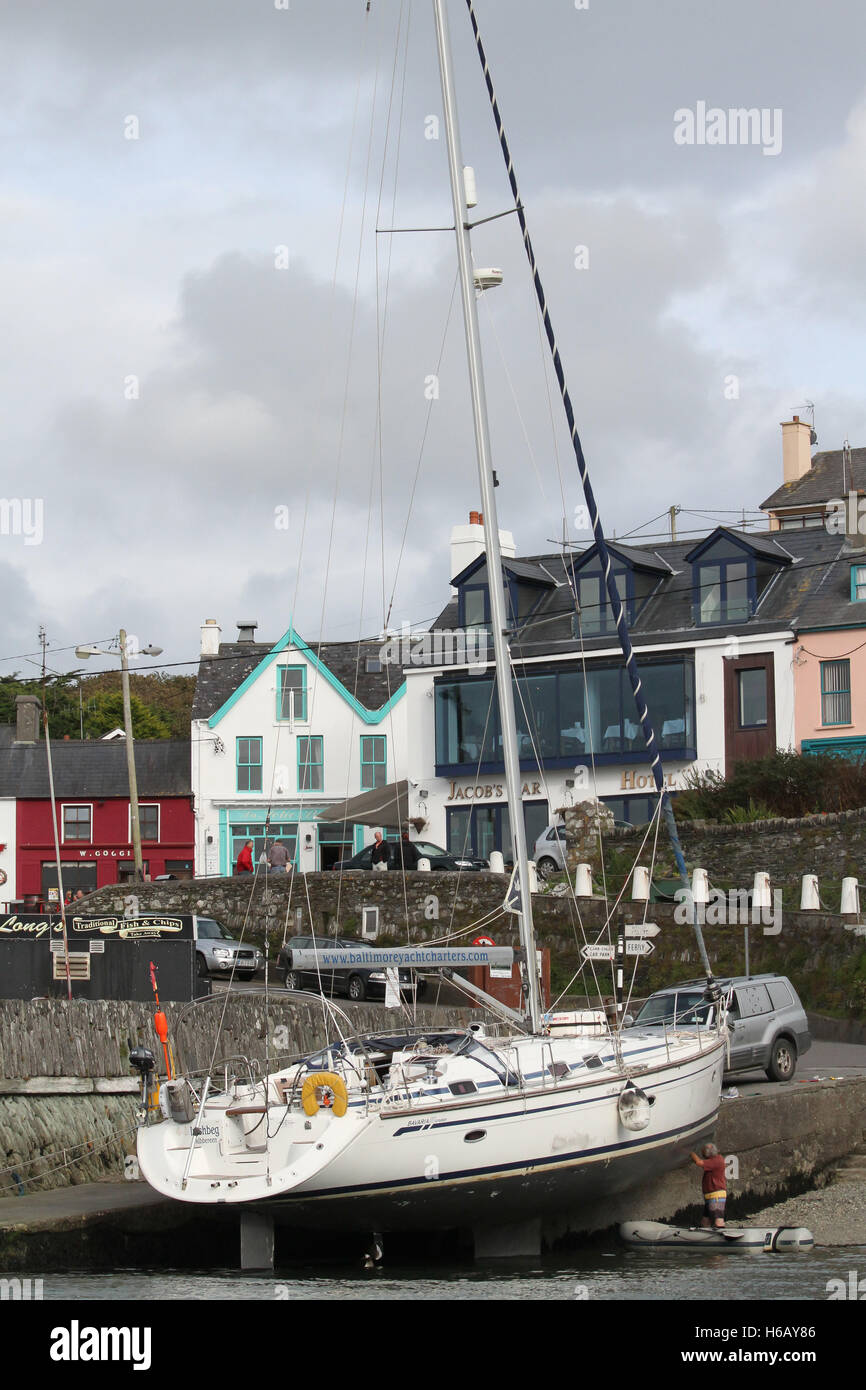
381, 852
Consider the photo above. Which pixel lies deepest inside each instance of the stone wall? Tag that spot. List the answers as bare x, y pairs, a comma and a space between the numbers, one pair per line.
831, 846
58, 1137
824, 956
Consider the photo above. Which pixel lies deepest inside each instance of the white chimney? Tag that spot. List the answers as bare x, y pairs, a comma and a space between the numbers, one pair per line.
467, 543
796, 449
210, 637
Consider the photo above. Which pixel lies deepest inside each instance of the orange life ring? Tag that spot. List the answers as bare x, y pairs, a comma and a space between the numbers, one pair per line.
324, 1090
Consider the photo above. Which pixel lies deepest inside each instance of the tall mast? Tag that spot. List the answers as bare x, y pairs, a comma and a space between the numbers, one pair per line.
498, 612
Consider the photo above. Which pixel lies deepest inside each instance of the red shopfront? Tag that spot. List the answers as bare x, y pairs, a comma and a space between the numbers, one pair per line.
96, 843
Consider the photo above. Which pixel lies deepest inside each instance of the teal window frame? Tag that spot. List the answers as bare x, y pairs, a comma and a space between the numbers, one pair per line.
370, 740
281, 692
307, 767
835, 691
858, 585
249, 763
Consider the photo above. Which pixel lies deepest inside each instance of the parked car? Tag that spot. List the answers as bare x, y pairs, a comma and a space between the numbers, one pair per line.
217, 951
768, 1025
439, 858
356, 982
549, 851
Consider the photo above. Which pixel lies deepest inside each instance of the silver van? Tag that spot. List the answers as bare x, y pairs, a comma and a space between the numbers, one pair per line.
767, 1023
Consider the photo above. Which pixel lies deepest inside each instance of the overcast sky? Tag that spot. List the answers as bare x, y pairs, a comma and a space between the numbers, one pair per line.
194, 298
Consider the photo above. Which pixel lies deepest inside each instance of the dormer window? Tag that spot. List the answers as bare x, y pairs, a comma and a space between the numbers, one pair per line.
730, 574
525, 587
636, 575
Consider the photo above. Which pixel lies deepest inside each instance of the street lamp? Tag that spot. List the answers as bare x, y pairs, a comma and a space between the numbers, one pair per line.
84, 653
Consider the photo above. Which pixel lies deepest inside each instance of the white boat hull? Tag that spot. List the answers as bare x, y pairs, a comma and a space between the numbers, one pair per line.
510, 1154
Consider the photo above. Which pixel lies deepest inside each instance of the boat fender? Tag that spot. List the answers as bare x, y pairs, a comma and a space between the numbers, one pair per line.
324, 1090
634, 1108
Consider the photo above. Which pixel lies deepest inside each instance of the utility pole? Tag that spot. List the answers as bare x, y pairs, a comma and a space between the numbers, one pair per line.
44, 643
672, 512
130, 760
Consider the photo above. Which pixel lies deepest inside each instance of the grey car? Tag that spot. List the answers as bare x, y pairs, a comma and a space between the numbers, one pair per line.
767, 1023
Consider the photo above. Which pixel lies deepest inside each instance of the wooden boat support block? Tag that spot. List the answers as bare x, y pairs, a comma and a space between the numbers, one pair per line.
257, 1240
69, 1085
508, 1242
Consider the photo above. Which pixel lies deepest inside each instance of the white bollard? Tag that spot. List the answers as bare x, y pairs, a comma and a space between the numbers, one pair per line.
497, 863
640, 884
761, 896
533, 876
583, 881
423, 865
850, 898
700, 886
809, 900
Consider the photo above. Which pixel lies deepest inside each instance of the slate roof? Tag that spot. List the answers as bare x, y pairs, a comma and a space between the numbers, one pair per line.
822, 482
219, 676
93, 768
813, 591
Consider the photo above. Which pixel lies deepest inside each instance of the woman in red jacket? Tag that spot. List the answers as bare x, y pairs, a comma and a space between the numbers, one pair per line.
245, 859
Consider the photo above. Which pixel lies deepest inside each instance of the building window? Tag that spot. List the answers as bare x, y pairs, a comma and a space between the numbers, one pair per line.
249, 764
752, 698
240, 832
311, 769
723, 592
835, 692
596, 614
77, 823
148, 822
292, 692
858, 583
373, 665
563, 716
373, 761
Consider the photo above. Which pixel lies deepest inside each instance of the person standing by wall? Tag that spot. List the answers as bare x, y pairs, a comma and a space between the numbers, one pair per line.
714, 1185
381, 852
245, 859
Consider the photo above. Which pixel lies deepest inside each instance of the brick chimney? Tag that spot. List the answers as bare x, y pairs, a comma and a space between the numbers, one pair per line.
796, 449
210, 637
27, 709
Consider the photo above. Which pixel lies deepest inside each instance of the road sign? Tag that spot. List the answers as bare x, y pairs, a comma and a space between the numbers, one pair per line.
641, 929
484, 941
639, 948
599, 951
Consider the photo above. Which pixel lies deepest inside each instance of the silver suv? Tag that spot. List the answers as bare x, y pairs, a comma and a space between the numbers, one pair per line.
767, 1023
217, 951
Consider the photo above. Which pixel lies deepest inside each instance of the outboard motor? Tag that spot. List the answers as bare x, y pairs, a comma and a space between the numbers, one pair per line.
142, 1060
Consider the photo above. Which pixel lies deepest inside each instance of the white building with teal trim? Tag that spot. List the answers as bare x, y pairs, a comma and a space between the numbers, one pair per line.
280, 732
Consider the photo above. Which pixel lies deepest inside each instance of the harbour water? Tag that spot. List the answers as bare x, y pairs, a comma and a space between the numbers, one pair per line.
584, 1276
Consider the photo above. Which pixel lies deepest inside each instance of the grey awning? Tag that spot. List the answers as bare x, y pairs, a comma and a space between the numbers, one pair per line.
386, 806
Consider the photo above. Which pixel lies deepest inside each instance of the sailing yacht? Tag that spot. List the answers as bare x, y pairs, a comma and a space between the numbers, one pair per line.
488, 1126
